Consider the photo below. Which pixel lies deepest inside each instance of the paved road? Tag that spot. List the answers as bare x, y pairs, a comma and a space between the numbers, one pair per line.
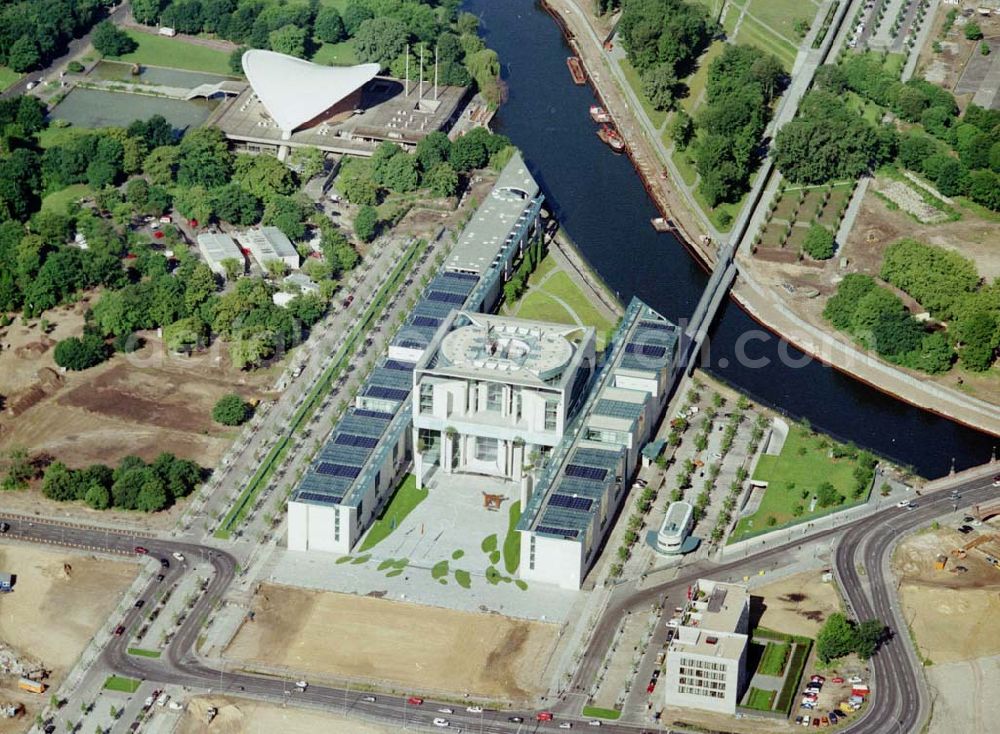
897, 681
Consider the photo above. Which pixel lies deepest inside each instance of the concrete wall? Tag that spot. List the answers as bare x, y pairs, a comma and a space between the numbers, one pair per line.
732, 671
556, 561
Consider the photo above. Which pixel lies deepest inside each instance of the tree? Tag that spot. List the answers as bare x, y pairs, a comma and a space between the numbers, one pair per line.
98, 497
161, 164
819, 242
366, 223
23, 55
329, 26
380, 40
264, 176
233, 203
80, 353
836, 639
827, 496
152, 495
436, 148
287, 214
659, 85
869, 635
204, 159
442, 180
470, 151
309, 161
146, 11
200, 285
234, 267
195, 202
110, 40
355, 13
681, 129
978, 336
184, 335
289, 40
401, 174
973, 32
658, 31
231, 410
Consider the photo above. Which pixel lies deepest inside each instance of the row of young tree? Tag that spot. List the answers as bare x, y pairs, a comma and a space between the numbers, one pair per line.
828, 141
132, 485
33, 32
380, 31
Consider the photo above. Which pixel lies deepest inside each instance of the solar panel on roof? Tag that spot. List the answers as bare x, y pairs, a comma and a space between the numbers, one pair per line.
425, 321
586, 472
647, 350
349, 439
410, 344
389, 393
570, 502
446, 297
362, 413
561, 532
321, 498
658, 325
394, 364
338, 470
461, 276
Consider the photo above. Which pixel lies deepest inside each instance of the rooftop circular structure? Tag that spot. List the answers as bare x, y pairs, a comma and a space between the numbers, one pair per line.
296, 92
507, 349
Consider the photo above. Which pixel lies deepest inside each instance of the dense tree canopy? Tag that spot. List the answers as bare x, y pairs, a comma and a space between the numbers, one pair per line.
231, 410
110, 40
664, 31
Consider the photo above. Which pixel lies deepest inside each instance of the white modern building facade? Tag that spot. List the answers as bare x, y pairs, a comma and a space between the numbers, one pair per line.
706, 660
675, 528
492, 391
570, 506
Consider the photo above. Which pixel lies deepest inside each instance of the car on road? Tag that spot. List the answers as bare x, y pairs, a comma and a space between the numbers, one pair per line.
903, 503
544, 716
4, 527
996, 481
368, 699
178, 556
911, 506
566, 725
141, 551
119, 630
964, 529
593, 722
446, 711
441, 722
968, 519
651, 686
515, 719
140, 603
160, 577
415, 701
175, 705
164, 563
474, 709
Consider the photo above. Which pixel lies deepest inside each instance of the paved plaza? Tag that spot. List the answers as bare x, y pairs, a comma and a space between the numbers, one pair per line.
448, 551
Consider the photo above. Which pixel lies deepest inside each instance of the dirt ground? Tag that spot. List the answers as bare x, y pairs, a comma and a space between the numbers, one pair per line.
237, 716
375, 640
964, 696
141, 403
51, 615
797, 605
952, 614
945, 68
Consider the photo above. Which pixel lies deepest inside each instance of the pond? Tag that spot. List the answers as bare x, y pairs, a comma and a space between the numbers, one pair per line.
94, 108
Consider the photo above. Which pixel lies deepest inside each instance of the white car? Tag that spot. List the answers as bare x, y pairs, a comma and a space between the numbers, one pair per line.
593, 722
566, 725
474, 709
854, 679
175, 705
441, 722
301, 685
903, 503
368, 699
178, 557
445, 711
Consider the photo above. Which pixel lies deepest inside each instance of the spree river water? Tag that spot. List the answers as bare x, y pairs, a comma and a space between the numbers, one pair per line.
599, 199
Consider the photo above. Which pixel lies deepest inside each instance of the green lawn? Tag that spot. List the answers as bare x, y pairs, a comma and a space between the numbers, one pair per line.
696, 82
406, 498
143, 653
7, 77
57, 201
563, 287
336, 54
894, 64
760, 700
773, 660
175, 53
540, 307
714, 7
685, 166
714, 214
656, 116
125, 685
753, 33
804, 464
782, 14
54, 135
512, 541
599, 713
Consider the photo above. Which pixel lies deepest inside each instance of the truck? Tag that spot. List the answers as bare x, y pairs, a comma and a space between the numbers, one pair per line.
31, 686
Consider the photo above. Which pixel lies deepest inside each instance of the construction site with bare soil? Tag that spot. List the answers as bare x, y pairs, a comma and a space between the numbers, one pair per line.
239, 716
407, 647
58, 603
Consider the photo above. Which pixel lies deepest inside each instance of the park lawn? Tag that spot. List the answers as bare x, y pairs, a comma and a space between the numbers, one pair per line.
760, 700
336, 54
406, 498
696, 82
782, 14
869, 110
632, 76
753, 33
546, 266
54, 135
894, 64
7, 77
563, 287
57, 201
537, 306
118, 683
804, 464
774, 658
177, 54
599, 713
733, 210
685, 166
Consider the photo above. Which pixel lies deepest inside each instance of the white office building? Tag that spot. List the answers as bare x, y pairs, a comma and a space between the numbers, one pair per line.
676, 526
267, 244
216, 247
706, 660
491, 391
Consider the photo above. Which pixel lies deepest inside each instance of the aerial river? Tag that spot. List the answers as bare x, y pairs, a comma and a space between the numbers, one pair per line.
599, 199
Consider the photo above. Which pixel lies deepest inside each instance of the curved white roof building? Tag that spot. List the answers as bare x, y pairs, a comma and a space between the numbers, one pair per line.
295, 92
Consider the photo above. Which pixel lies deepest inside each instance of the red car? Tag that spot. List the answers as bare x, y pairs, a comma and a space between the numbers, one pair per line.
838, 679
651, 686
415, 701
818, 679
140, 550
119, 630
543, 716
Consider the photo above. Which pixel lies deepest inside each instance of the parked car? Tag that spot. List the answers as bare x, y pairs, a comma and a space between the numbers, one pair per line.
178, 556
965, 529
593, 722
566, 725
160, 577
854, 679
838, 679
140, 603
4, 527
817, 679
164, 563
141, 551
